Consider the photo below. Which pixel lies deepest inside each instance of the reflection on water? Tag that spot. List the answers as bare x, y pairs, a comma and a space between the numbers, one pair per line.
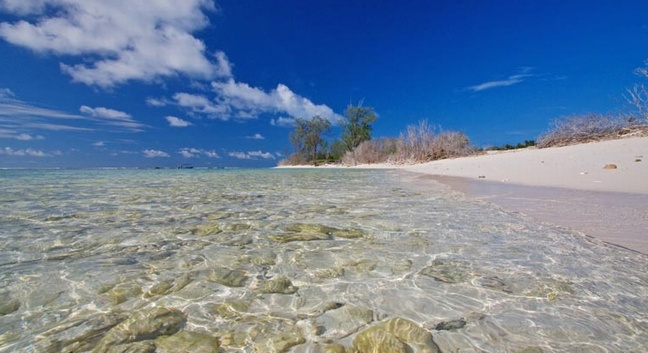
301, 261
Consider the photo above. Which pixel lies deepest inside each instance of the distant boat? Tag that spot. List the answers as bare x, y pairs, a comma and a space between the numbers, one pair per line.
185, 166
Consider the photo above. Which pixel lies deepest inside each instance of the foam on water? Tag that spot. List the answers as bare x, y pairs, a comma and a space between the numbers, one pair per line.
248, 256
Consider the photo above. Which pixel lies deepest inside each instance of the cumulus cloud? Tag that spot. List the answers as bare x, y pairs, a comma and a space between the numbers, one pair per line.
197, 152
251, 155
255, 137
154, 154
177, 122
118, 40
241, 101
248, 101
112, 117
201, 105
156, 102
29, 152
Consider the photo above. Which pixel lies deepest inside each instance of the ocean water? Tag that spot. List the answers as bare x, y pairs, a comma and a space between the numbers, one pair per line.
297, 261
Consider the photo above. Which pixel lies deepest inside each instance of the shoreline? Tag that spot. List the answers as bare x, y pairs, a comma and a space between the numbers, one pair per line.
565, 186
616, 218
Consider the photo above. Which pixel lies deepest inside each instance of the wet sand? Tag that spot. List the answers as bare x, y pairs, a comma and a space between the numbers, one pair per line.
616, 218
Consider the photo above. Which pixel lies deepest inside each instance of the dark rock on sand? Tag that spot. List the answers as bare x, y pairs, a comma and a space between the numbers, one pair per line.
451, 325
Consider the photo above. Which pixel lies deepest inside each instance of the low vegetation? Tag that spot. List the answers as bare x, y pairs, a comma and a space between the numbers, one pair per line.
519, 145
418, 144
589, 128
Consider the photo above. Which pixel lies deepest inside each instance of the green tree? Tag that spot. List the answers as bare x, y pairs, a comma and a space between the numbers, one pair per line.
337, 150
357, 128
309, 136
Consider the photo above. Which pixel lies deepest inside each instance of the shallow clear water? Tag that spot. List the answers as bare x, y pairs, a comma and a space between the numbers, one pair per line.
83, 250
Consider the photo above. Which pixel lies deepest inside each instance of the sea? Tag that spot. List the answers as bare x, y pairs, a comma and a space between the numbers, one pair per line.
298, 260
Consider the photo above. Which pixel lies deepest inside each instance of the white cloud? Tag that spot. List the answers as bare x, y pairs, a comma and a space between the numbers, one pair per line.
29, 152
154, 154
118, 40
177, 122
101, 112
18, 119
156, 102
283, 122
27, 137
6, 93
113, 117
251, 155
201, 105
511, 80
196, 152
255, 137
99, 144
250, 101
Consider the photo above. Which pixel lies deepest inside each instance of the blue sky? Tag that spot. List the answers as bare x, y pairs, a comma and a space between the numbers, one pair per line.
98, 83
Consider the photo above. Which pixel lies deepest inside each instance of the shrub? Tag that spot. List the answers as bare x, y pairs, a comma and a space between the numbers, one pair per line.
295, 159
587, 128
420, 144
371, 152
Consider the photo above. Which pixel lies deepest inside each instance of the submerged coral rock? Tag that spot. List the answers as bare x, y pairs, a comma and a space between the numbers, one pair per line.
376, 340
310, 228
532, 350
395, 335
187, 342
552, 289
493, 282
206, 229
227, 277
143, 325
323, 232
333, 348
136, 347
281, 343
123, 292
9, 305
231, 309
286, 238
281, 285
168, 286
448, 271
343, 321
161, 288
349, 233
78, 334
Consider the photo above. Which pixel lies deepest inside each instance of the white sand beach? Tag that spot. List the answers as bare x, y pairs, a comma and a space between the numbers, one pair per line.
580, 167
